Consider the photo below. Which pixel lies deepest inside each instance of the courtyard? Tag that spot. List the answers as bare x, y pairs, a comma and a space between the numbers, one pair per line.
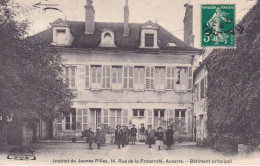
57, 153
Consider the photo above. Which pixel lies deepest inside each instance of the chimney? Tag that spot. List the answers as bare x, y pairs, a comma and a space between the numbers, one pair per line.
90, 18
126, 18
188, 24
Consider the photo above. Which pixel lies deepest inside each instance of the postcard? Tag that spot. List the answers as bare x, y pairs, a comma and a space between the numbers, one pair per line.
129, 82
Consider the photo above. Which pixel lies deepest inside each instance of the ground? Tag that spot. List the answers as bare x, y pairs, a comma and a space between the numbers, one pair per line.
78, 153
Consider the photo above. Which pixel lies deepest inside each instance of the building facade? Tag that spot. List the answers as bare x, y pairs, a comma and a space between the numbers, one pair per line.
123, 74
200, 103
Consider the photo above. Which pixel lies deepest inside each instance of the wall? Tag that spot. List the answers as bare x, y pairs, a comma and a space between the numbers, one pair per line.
200, 110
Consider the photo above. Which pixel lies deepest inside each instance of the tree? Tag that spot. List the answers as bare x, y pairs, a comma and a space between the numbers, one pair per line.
31, 84
234, 91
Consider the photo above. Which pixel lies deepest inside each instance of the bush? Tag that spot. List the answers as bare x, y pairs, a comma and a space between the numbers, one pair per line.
207, 142
227, 143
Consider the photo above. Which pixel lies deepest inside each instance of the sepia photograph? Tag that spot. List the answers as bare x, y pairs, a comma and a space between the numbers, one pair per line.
130, 82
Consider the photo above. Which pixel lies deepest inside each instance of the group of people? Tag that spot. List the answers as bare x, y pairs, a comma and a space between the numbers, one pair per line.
124, 136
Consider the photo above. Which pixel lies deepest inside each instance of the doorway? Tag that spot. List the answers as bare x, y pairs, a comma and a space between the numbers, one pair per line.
95, 118
159, 117
138, 119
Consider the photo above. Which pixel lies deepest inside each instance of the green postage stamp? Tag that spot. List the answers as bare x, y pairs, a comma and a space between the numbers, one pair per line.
218, 26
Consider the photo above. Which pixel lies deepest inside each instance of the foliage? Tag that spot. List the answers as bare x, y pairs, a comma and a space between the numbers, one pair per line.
30, 76
234, 91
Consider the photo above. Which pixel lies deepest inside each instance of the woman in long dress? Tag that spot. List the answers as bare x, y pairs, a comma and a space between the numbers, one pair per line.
214, 22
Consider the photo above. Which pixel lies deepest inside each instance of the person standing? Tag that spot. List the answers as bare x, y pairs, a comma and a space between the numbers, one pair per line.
159, 136
98, 138
169, 137
142, 133
150, 136
118, 136
90, 138
127, 135
133, 132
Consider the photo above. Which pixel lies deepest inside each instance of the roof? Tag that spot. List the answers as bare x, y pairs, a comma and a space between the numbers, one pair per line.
131, 42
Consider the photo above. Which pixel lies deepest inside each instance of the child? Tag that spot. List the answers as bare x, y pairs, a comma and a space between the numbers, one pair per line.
159, 136
98, 138
90, 137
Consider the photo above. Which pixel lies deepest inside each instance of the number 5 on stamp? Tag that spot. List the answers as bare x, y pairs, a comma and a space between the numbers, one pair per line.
218, 26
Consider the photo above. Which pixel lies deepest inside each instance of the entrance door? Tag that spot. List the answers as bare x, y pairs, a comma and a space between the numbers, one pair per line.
95, 118
159, 117
138, 119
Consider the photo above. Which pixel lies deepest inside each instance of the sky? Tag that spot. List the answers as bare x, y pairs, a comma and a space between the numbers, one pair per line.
167, 13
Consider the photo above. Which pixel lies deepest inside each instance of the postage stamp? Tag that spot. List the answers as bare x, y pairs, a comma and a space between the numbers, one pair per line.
218, 26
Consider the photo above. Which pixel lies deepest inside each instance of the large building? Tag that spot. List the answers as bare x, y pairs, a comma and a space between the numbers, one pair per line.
123, 73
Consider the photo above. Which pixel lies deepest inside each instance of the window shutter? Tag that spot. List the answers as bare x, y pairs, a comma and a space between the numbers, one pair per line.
87, 77
125, 77
189, 120
152, 77
202, 88
131, 77
104, 77
168, 73
150, 117
66, 74
108, 73
148, 77
190, 79
73, 77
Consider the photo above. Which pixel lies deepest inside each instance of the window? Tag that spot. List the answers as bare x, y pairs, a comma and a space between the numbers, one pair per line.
105, 116
158, 117
180, 114
70, 76
107, 38
117, 72
95, 118
171, 116
182, 75
82, 119
125, 116
128, 77
159, 78
70, 120
138, 112
149, 82
96, 77
170, 78
139, 78
149, 40
115, 117
59, 124
106, 77
61, 36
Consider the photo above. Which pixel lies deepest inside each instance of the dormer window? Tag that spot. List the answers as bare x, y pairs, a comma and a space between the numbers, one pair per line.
149, 40
149, 36
107, 38
62, 35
